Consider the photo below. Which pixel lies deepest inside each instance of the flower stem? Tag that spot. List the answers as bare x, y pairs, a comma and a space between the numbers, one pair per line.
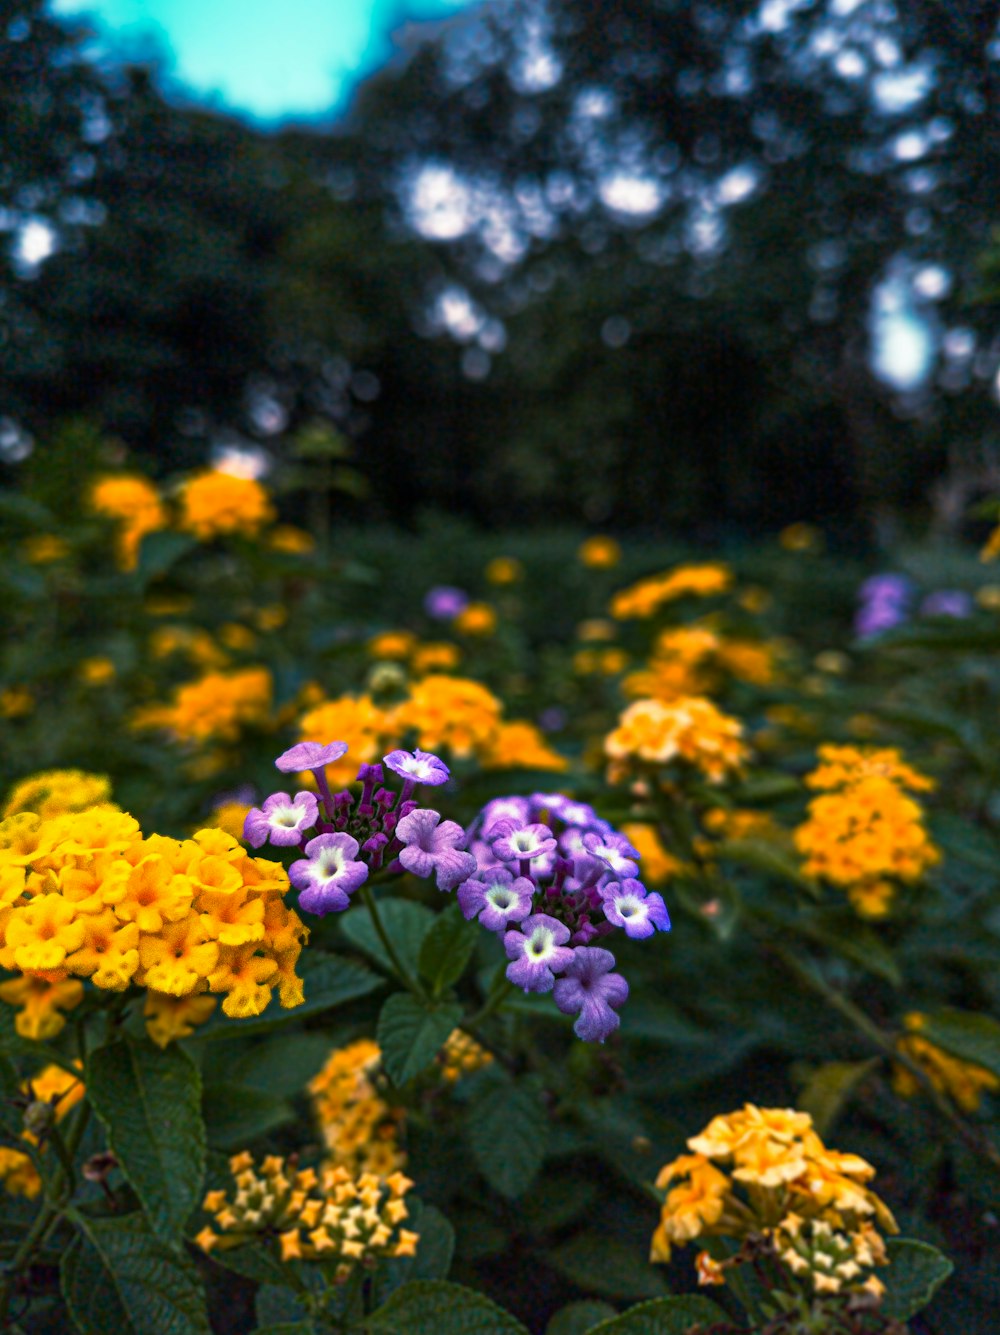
399, 968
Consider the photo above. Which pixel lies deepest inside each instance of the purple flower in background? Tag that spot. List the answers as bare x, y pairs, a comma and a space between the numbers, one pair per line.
614, 851
282, 819
589, 990
310, 755
444, 602
628, 904
418, 767
431, 846
496, 898
885, 603
553, 719
504, 808
538, 952
947, 603
328, 874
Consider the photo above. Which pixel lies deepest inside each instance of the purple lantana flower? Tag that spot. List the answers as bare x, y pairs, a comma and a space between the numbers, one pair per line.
630, 905
589, 990
538, 952
310, 755
496, 898
444, 602
947, 603
282, 819
433, 845
512, 842
504, 808
615, 851
328, 874
418, 767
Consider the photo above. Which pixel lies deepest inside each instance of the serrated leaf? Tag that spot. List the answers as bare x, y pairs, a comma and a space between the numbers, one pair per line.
329, 981
119, 1279
915, 1272
828, 1089
966, 1034
609, 1267
148, 1100
434, 1253
434, 1307
411, 1034
663, 1316
447, 948
406, 925
579, 1318
507, 1129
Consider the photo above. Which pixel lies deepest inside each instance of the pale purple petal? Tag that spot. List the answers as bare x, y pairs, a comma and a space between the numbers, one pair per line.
310, 755
421, 766
589, 990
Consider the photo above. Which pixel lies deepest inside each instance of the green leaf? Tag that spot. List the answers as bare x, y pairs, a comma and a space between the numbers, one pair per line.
119, 1279
161, 550
578, 1318
286, 1328
915, 1272
434, 1307
759, 855
609, 1267
277, 1304
406, 925
829, 1088
329, 981
149, 1101
972, 1037
856, 941
412, 1034
434, 1253
237, 1114
507, 1128
665, 1316
256, 1261
447, 948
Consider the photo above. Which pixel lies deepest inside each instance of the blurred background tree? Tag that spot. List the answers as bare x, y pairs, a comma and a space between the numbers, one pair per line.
633, 262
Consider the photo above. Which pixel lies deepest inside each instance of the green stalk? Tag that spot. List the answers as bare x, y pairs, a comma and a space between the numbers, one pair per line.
399, 968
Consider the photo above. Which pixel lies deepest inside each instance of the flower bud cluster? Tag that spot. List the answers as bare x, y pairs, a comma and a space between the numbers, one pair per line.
346, 835
330, 1216
763, 1177
551, 878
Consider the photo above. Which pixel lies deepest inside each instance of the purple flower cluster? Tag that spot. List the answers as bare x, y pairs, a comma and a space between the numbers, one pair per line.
552, 877
345, 835
884, 603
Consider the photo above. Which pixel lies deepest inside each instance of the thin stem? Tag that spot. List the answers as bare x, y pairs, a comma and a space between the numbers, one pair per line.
499, 994
399, 968
865, 1025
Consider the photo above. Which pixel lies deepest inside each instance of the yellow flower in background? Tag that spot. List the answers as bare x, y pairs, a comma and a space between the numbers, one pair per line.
520, 745
40, 1004
213, 504
599, 553
991, 549
844, 766
16, 701
476, 619
240, 639
168, 604
134, 502
452, 712
360, 1128
61, 1089
195, 643
57, 792
218, 705
963, 1081
504, 570
97, 671
44, 548
461, 1055
368, 731
596, 630
801, 538
288, 538
229, 816
392, 644
269, 618
658, 863
649, 595
435, 656
690, 729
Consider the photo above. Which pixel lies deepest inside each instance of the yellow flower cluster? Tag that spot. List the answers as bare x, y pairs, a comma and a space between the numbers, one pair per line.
332, 1216
135, 504
62, 1090
520, 745
764, 1174
599, 553
215, 707
87, 896
649, 595
194, 643
43, 548
504, 570
59, 792
607, 662
658, 863
962, 1081
476, 619
689, 729
695, 660
453, 713
356, 720
214, 503
461, 1055
864, 833
991, 548
361, 1130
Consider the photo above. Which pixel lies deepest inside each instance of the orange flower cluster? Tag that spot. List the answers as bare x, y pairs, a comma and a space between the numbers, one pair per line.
87, 896
59, 792
134, 503
647, 596
689, 729
214, 503
215, 707
962, 1081
764, 1175
331, 1216
864, 833
360, 1128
